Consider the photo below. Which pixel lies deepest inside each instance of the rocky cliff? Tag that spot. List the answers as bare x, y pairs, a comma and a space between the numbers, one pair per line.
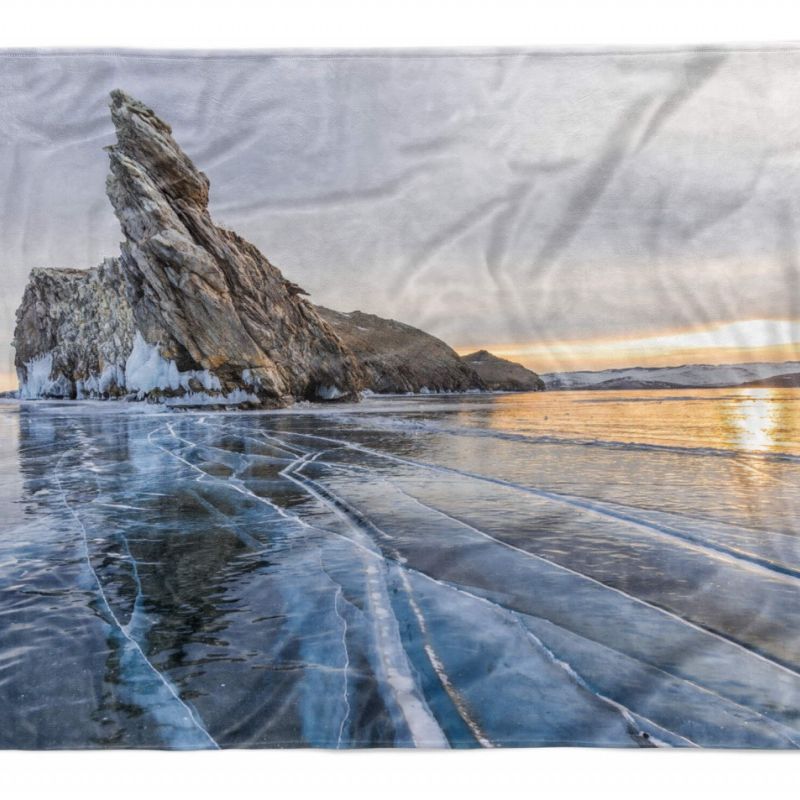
399, 358
502, 375
192, 311
74, 333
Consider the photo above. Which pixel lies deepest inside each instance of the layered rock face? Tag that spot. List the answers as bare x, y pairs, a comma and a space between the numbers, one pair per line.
74, 333
209, 299
193, 310
501, 375
399, 358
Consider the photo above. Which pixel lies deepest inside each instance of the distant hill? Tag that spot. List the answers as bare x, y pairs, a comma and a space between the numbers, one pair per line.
788, 380
785, 373
500, 374
398, 358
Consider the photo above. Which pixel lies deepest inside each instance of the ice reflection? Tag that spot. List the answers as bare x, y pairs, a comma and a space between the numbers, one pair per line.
750, 419
754, 419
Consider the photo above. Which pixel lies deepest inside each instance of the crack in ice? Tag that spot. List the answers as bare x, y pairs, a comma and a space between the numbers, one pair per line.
422, 725
124, 630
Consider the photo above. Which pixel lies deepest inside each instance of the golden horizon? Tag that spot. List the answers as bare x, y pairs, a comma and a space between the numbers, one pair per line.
740, 341
8, 381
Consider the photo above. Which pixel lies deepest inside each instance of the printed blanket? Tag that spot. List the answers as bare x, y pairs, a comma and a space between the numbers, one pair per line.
400, 399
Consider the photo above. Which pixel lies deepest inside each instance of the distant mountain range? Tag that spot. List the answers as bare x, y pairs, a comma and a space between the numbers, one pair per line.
766, 374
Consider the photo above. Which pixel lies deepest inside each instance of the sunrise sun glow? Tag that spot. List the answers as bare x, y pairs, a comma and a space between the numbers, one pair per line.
725, 343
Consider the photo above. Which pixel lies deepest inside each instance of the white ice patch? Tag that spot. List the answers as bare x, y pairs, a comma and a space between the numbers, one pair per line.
99, 385
250, 378
37, 382
235, 398
146, 369
329, 392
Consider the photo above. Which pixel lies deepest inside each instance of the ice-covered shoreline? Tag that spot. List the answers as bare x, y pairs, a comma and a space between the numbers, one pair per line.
369, 402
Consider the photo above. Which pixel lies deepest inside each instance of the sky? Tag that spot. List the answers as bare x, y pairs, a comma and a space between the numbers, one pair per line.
573, 211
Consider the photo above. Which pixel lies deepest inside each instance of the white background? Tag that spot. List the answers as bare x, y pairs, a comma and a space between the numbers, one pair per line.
555, 773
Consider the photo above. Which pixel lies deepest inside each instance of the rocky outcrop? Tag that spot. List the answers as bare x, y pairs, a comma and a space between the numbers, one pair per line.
193, 312
501, 375
74, 333
209, 299
190, 313
398, 358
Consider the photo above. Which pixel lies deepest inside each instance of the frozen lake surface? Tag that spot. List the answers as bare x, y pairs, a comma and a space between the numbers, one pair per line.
593, 568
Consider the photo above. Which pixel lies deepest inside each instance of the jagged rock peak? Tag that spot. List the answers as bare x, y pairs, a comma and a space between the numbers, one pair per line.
188, 313
147, 140
206, 297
